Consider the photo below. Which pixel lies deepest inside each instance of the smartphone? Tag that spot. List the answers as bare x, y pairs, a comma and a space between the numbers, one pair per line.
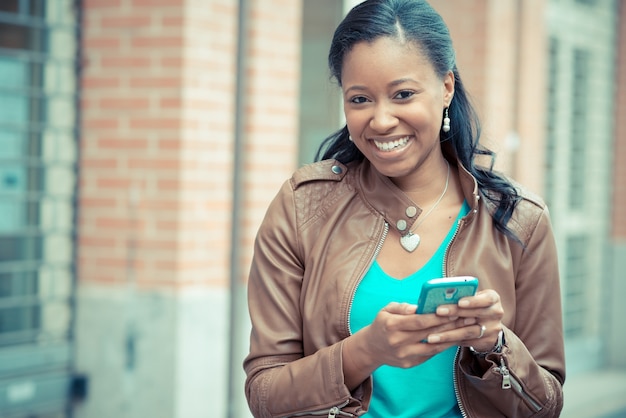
445, 291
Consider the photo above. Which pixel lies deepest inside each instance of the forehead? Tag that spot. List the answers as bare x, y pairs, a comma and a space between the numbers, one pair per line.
385, 57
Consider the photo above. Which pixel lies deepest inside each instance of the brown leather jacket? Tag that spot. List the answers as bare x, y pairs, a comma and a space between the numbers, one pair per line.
319, 237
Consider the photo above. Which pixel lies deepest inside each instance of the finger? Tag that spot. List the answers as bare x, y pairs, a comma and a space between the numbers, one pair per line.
400, 308
457, 323
471, 332
437, 329
484, 305
482, 299
425, 323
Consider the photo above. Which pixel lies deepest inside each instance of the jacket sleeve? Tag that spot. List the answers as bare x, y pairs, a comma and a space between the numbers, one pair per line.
526, 379
282, 379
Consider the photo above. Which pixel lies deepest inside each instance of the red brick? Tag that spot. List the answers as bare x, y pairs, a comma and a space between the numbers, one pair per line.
129, 22
121, 262
112, 63
98, 241
109, 183
124, 104
173, 21
157, 42
155, 123
170, 102
90, 44
118, 223
91, 83
118, 143
93, 123
156, 164
93, 4
97, 202
155, 82
99, 163
175, 62
158, 3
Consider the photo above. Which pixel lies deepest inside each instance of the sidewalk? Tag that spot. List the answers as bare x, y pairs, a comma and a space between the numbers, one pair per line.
599, 394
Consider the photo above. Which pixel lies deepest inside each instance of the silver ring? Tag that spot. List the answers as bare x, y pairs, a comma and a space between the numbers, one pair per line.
482, 330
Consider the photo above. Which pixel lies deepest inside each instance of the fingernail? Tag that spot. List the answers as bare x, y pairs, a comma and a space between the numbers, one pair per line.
469, 321
443, 311
464, 303
434, 338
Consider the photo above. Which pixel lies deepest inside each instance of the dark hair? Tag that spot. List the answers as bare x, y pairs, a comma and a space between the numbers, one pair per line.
416, 21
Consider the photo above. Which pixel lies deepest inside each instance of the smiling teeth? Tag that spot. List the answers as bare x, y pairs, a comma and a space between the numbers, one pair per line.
390, 146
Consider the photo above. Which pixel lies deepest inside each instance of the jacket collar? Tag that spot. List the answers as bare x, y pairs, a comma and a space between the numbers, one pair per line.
397, 208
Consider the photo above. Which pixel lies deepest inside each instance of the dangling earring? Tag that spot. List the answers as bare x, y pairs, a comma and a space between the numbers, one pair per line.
446, 121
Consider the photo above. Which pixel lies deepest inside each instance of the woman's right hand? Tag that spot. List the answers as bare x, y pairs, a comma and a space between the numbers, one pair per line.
395, 338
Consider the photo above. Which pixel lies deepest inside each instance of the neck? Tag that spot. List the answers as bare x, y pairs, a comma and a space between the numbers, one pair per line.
426, 188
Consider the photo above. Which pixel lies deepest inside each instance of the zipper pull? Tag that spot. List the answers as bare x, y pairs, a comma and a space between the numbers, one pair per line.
506, 377
332, 413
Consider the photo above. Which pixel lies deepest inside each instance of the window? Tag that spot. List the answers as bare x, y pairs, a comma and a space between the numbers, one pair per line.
37, 181
576, 279
552, 108
578, 134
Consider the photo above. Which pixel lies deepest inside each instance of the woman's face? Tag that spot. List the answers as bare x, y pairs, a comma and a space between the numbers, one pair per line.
393, 102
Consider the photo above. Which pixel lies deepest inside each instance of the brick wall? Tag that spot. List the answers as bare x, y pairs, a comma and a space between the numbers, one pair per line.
469, 36
271, 128
158, 91
157, 141
156, 193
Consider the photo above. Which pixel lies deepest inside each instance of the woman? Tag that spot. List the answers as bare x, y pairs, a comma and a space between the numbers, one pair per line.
398, 199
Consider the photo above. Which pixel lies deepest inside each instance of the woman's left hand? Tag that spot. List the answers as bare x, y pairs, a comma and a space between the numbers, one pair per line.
485, 307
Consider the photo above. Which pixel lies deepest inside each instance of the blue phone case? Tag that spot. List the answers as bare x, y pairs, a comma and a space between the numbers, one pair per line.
445, 291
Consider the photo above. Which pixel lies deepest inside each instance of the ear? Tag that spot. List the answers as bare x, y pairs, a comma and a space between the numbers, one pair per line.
448, 86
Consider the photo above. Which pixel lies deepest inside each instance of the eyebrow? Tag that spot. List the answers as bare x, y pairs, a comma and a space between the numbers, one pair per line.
402, 80
392, 84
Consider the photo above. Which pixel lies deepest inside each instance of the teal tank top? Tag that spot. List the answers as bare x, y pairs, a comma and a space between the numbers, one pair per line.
426, 390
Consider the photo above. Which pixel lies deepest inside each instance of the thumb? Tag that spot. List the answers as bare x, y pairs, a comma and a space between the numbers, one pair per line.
400, 308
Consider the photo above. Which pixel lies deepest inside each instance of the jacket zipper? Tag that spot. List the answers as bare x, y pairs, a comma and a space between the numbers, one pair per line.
455, 377
510, 382
445, 254
379, 246
334, 411
455, 381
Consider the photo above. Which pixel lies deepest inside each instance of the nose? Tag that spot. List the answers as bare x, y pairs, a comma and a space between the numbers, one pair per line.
383, 119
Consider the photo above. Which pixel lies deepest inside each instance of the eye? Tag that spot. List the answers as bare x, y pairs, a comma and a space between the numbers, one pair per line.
358, 99
404, 94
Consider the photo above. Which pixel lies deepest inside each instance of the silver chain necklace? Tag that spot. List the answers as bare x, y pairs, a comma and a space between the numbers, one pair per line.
410, 241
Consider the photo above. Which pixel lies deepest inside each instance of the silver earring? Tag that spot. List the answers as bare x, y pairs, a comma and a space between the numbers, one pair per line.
350, 138
446, 121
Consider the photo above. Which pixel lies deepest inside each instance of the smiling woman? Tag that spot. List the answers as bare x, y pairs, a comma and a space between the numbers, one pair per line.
395, 200
393, 102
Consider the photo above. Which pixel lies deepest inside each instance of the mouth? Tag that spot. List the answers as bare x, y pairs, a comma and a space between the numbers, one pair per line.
392, 145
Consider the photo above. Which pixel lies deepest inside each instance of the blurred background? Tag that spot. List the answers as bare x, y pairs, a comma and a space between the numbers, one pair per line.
142, 140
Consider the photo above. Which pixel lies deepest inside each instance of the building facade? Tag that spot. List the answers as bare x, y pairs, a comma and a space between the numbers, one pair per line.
142, 140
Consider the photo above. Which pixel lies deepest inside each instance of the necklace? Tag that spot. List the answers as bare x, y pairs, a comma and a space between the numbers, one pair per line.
410, 241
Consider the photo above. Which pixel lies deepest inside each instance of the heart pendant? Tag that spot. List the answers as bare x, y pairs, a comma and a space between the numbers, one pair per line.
410, 241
